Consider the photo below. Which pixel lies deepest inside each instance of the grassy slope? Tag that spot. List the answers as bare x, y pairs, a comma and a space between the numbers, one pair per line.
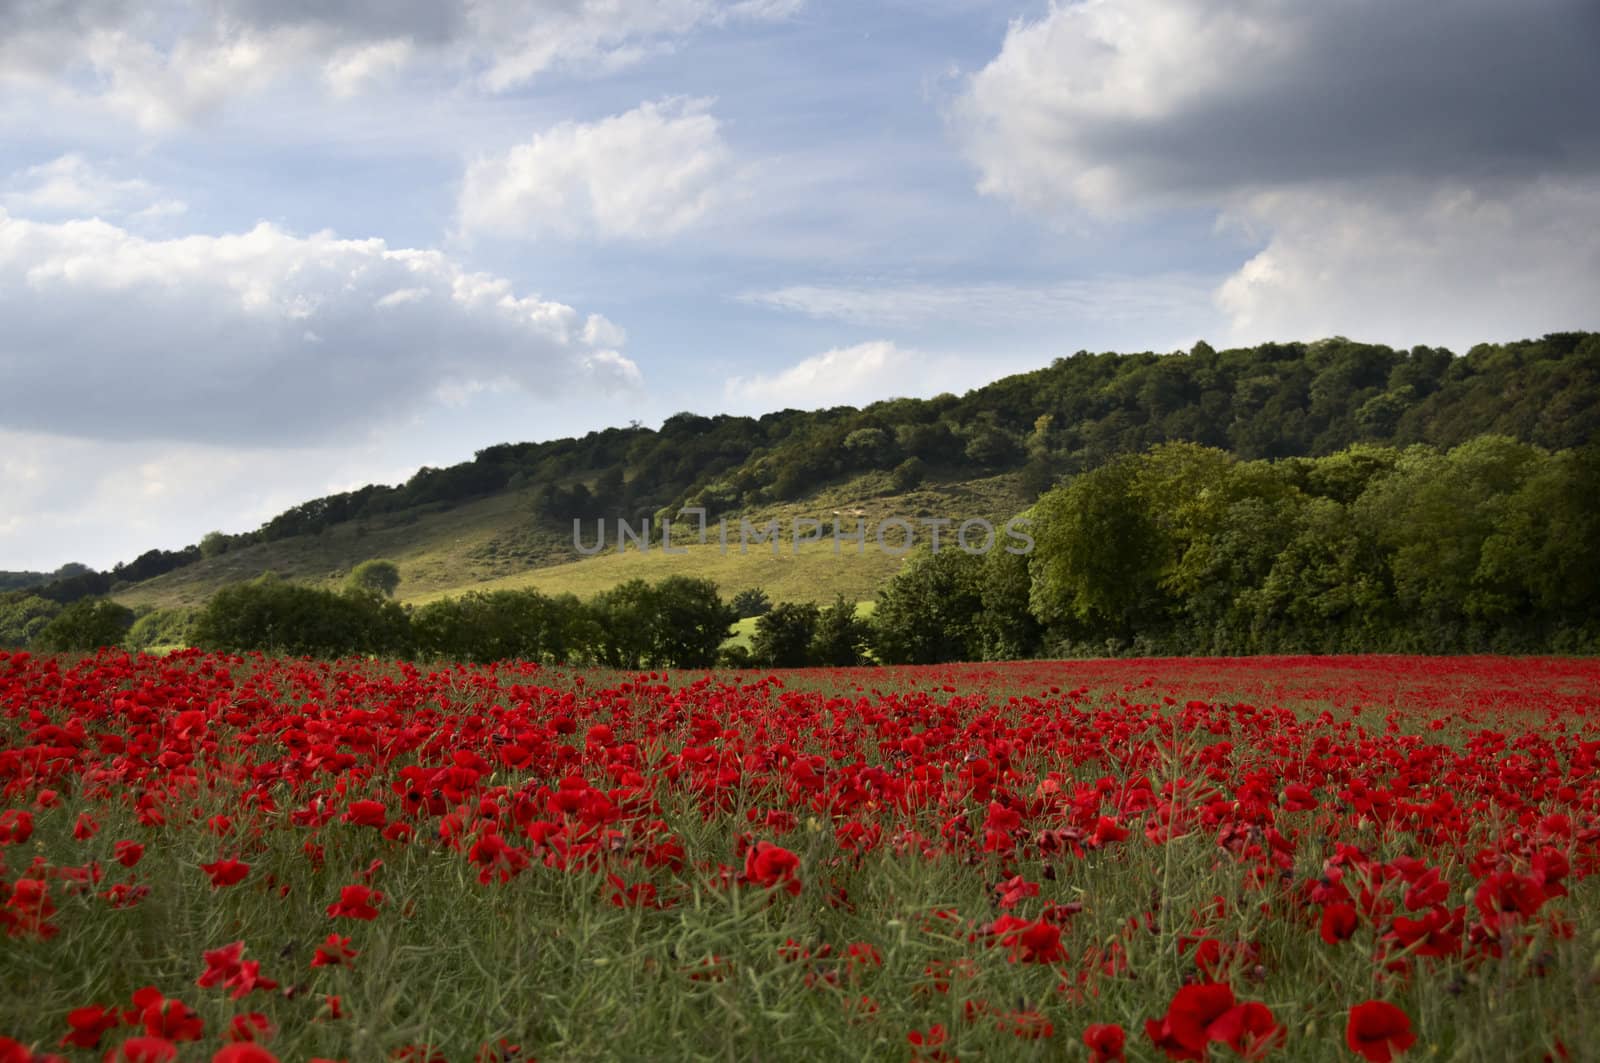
494, 543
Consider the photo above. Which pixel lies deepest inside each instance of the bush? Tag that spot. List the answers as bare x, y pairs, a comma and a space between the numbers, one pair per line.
270, 615
161, 627
909, 474
86, 625
23, 617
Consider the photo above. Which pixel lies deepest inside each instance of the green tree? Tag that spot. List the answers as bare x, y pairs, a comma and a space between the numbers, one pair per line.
1099, 557
909, 474
1006, 630
624, 616
275, 616
376, 577
751, 602
929, 611
86, 625
841, 637
784, 635
213, 544
23, 616
689, 624
1543, 550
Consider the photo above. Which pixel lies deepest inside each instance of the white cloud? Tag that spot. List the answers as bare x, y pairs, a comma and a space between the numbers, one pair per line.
264, 337
1122, 300
1408, 175
1439, 265
69, 185
166, 64
651, 172
865, 373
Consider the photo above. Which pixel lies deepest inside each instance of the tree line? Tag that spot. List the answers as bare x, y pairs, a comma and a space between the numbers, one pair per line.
1274, 400
1487, 546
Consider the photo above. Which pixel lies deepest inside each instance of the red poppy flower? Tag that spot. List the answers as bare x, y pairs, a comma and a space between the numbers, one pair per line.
367, 814
1203, 1013
252, 1026
128, 853
244, 1053
769, 865
1339, 923
229, 872
16, 826
163, 1018
89, 1025
356, 902
333, 952
1014, 890
143, 1050
1378, 1031
1197, 1011
1107, 1043
17, 1052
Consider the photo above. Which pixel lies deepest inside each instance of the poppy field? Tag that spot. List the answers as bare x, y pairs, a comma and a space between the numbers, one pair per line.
244, 859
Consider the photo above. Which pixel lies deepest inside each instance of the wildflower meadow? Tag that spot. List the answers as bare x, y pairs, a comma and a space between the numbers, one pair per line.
245, 859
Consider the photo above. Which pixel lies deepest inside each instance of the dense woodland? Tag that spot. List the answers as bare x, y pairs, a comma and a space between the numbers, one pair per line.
1330, 495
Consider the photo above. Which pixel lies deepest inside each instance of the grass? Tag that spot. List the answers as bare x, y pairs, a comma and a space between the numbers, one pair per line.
495, 542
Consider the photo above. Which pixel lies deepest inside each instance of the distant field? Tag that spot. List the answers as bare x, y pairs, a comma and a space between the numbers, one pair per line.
815, 573
495, 543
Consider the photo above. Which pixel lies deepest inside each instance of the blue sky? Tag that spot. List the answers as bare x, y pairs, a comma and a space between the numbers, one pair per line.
252, 252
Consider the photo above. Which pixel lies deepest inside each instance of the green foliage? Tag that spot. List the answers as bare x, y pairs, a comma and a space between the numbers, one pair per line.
375, 577
1101, 554
930, 610
751, 602
275, 616
1272, 401
85, 625
784, 635
161, 627
23, 616
213, 544
688, 623
840, 638
1005, 629
1186, 549
496, 626
909, 474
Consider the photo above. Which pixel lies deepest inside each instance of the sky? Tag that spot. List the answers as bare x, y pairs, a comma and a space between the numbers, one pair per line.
257, 251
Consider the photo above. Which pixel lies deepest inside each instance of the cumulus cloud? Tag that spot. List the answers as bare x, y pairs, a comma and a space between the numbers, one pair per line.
1382, 136
70, 185
861, 374
650, 172
165, 64
264, 337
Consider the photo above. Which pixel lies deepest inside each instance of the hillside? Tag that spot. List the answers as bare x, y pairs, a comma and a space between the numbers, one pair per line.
504, 519
499, 542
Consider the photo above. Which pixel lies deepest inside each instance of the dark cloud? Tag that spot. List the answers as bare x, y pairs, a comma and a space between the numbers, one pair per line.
1188, 99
